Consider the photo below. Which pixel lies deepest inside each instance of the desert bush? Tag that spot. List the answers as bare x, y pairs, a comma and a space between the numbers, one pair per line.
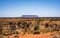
46, 25
0, 29
36, 27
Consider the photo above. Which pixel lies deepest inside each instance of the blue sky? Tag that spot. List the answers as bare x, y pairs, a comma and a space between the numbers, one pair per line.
17, 8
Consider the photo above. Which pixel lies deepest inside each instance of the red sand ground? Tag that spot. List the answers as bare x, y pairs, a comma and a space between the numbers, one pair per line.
46, 35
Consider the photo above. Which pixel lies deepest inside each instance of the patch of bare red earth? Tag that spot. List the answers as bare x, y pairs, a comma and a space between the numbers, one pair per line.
46, 35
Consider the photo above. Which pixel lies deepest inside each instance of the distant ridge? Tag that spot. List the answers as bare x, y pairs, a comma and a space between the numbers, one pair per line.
29, 16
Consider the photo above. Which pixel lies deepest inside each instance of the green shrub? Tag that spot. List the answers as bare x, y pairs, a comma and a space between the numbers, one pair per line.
36, 27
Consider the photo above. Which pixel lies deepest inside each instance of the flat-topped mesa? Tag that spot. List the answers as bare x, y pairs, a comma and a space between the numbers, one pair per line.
29, 16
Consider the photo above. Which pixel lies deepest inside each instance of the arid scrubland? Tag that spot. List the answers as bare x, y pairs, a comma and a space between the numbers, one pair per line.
46, 27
